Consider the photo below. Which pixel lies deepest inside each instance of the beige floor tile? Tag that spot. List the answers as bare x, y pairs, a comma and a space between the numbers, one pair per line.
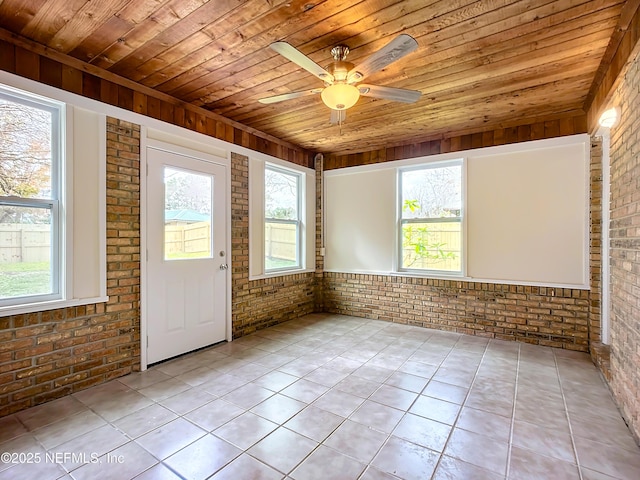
488, 424
275, 381
202, 458
550, 442
478, 450
68, 428
446, 391
144, 379
616, 462
394, 397
165, 389
526, 464
86, 448
372, 473
357, 386
304, 390
11, 427
214, 414
339, 403
278, 408
325, 463
245, 430
247, 467
145, 420
283, 449
362, 396
326, 376
47, 413
158, 472
435, 409
247, 396
315, 423
187, 401
451, 468
223, 385
424, 432
377, 416
125, 462
40, 470
170, 437
356, 440
407, 381
406, 460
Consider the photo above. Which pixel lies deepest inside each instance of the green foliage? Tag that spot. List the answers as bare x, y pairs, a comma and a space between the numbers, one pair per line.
416, 240
286, 213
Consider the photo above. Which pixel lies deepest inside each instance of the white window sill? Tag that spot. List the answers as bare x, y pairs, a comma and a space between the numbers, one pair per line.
281, 273
49, 305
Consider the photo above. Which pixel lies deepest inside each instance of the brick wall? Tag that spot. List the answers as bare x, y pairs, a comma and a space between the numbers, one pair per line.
564, 318
625, 248
259, 303
544, 316
50, 354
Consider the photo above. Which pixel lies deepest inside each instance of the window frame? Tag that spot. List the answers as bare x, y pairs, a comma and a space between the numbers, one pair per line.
307, 214
55, 204
431, 272
297, 222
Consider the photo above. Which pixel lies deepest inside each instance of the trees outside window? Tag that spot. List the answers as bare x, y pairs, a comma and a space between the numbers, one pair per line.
431, 218
29, 198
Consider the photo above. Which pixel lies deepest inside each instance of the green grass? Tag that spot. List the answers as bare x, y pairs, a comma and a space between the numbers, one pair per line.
20, 279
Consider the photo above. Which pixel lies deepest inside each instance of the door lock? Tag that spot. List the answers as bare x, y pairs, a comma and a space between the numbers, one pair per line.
224, 266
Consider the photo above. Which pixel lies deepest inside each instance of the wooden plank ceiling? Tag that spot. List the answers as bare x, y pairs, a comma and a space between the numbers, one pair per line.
480, 65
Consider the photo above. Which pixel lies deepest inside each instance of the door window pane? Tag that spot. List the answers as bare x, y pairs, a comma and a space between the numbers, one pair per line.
187, 214
25, 251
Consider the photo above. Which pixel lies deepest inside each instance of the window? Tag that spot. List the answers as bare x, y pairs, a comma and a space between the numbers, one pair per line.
30, 186
281, 219
188, 202
430, 234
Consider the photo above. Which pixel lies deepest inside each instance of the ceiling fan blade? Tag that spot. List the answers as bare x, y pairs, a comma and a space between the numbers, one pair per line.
392, 51
296, 56
389, 93
337, 116
289, 96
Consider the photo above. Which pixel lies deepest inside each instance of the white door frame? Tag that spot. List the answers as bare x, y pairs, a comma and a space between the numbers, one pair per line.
145, 143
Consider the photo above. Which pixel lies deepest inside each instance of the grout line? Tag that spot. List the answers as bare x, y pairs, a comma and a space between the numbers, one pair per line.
473, 381
513, 414
566, 410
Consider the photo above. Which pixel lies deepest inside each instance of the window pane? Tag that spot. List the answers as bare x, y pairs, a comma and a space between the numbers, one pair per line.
25, 150
25, 251
281, 245
187, 215
281, 195
432, 192
432, 246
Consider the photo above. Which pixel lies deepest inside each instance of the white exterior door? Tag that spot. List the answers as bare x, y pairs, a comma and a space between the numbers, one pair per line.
186, 253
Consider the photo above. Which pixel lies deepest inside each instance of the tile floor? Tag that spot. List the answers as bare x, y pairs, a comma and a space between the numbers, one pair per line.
332, 397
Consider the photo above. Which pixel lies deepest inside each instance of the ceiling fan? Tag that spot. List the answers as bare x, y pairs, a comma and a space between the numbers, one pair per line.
341, 77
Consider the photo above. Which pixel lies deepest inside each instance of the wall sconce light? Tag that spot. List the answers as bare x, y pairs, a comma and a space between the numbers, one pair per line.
609, 118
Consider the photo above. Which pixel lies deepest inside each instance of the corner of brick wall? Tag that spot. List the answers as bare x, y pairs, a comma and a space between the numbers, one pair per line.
625, 251
258, 304
47, 355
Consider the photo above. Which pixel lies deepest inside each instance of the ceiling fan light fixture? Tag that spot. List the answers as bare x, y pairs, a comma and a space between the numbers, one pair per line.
340, 96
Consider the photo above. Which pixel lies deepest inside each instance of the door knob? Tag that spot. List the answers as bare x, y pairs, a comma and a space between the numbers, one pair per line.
224, 266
